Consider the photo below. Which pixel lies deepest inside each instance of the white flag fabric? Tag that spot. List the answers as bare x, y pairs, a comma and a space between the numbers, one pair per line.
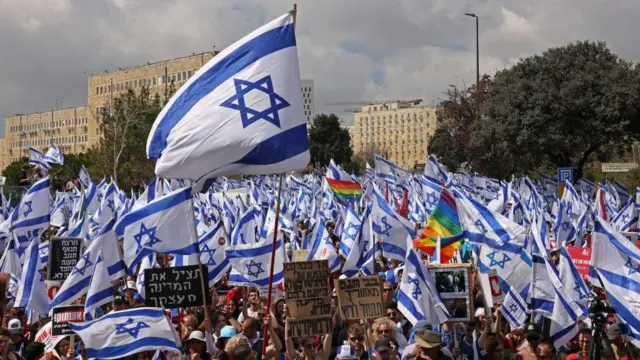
212, 246
149, 262
54, 155
10, 264
250, 263
322, 247
241, 113
390, 227
123, 333
166, 225
350, 233
100, 289
32, 290
31, 216
244, 231
37, 158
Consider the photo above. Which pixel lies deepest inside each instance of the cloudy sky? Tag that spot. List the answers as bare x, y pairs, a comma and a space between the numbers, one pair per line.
353, 49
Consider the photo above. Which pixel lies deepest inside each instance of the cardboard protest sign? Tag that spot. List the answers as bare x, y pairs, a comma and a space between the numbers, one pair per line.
360, 298
64, 254
176, 287
62, 316
44, 336
306, 286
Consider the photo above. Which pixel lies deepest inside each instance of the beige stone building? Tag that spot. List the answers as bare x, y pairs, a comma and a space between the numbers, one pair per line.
400, 131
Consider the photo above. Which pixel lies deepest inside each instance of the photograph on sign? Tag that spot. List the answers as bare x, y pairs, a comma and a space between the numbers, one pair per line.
360, 298
63, 315
64, 254
176, 287
453, 284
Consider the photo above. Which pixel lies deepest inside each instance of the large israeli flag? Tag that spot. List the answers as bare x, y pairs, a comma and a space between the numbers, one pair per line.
32, 290
123, 333
37, 158
212, 246
100, 290
166, 226
54, 155
390, 227
31, 216
241, 113
250, 263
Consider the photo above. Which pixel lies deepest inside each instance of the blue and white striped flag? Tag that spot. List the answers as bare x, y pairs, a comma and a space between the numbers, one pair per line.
84, 178
573, 282
350, 233
616, 260
123, 333
250, 263
250, 98
245, 230
31, 216
37, 158
100, 289
77, 284
212, 247
149, 262
10, 264
166, 226
389, 171
390, 227
54, 155
627, 217
434, 171
418, 298
32, 289
322, 247
361, 255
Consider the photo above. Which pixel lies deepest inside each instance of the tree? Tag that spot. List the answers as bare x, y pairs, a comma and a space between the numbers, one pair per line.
328, 140
12, 170
560, 106
121, 151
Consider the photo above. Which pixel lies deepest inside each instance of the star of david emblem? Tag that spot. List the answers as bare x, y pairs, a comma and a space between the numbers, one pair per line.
629, 265
85, 264
480, 225
133, 331
569, 207
416, 288
626, 218
41, 272
382, 231
513, 308
150, 233
249, 115
211, 252
350, 232
29, 210
581, 294
254, 269
494, 262
111, 206
100, 196
431, 199
566, 225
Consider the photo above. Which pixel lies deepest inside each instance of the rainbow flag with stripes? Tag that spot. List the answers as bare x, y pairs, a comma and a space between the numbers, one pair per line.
444, 222
345, 191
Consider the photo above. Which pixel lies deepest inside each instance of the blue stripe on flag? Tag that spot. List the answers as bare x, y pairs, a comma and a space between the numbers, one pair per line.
152, 208
280, 147
117, 351
251, 252
262, 45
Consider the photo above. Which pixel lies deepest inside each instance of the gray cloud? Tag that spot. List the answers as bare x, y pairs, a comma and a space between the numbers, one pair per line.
355, 49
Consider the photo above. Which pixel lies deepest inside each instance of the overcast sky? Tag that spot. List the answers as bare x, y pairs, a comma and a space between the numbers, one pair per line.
353, 49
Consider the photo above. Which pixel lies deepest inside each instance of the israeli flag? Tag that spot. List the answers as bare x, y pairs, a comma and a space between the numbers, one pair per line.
389, 171
32, 290
54, 155
58, 216
123, 333
434, 171
149, 262
166, 226
212, 253
573, 282
626, 217
31, 216
392, 228
360, 257
84, 178
250, 263
241, 113
107, 209
10, 264
77, 284
430, 192
616, 260
100, 289
322, 247
43, 249
350, 233
245, 231
37, 158
418, 298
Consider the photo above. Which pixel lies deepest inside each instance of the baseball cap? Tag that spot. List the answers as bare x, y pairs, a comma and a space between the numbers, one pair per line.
227, 332
383, 345
345, 352
131, 285
15, 327
196, 335
422, 326
428, 339
531, 330
480, 312
613, 332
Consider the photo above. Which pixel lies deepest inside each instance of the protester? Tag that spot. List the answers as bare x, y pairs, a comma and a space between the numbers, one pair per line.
18, 342
5, 338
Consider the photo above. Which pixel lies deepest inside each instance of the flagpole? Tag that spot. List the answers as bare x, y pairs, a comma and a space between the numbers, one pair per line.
273, 253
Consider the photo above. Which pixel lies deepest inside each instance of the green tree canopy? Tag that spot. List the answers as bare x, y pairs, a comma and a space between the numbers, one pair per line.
558, 107
328, 140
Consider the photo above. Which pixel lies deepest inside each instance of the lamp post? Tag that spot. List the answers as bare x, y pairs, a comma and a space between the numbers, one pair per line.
477, 47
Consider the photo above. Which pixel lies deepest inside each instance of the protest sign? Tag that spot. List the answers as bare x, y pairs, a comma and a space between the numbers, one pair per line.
306, 285
64, 254
581, 257
300, 255
360, 298
62, 316
52, 288
496, 290
176, 287
44, 336
453, 283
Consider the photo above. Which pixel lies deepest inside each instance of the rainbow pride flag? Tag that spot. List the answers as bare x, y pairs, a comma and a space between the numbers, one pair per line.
444, 222
345, 191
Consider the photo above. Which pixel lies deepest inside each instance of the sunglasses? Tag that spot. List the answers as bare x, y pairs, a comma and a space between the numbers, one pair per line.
392, 314
356, 338
387, 290
384, 331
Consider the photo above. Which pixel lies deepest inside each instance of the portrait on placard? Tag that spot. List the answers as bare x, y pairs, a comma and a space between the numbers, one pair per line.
453, 283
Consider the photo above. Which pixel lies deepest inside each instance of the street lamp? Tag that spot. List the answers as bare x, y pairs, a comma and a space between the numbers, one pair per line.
477, 48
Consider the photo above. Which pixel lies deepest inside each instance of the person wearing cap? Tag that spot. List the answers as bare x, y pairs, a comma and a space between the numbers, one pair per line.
418, 329
616, 341
226, 333
18, 342
197, 346
384, 349
345, 352
429, 346
533, 335
6, 354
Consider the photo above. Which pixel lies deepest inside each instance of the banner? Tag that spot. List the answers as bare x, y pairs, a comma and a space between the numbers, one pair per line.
44, 336
306, 285
64, 254
360, 298
175, 287
581, 257
62, 316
